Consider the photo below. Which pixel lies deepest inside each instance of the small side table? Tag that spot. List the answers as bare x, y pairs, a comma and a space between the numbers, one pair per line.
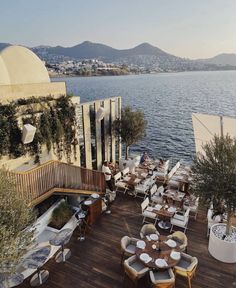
82, 224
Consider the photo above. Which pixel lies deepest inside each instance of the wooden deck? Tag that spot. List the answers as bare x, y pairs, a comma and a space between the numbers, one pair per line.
96, 261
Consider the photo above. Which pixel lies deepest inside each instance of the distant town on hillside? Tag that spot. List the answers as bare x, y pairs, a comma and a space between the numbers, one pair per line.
89, 59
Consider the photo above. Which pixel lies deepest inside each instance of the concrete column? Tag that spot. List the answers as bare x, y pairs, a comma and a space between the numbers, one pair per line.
107, 129
78, 115
119, 115
113, 138
98, 137
87, 136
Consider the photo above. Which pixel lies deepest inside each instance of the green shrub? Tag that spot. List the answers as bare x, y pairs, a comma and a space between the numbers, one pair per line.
61, 215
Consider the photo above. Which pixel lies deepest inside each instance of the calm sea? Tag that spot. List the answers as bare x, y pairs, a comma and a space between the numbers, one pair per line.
168, 101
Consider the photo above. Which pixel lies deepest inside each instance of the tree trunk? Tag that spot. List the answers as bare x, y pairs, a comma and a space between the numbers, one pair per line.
228, 226
126, 152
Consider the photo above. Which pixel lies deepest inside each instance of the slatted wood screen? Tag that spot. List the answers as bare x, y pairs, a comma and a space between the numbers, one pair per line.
54, 174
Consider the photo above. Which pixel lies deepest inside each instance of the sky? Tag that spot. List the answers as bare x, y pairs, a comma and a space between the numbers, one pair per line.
186, 28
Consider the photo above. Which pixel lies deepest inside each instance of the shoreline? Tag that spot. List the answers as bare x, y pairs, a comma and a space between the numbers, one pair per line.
129, 74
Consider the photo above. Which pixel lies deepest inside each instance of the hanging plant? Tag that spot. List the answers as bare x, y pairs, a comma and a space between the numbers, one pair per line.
56, 124
44, 126
35, 147
57, 133
10, 133
67, 116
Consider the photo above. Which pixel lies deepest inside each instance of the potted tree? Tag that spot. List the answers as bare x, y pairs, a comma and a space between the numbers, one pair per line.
214, 181
130, 127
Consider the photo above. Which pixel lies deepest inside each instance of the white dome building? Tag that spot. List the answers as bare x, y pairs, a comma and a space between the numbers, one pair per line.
23, 74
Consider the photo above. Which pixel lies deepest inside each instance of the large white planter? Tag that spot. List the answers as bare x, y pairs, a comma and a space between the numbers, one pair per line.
221, 250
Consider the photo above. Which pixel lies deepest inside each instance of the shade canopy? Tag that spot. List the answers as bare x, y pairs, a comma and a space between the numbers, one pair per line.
205, 127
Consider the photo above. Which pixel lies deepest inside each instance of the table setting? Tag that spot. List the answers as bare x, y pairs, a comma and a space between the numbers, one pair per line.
162, 253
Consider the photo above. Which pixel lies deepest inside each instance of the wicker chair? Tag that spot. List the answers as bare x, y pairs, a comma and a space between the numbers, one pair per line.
128, 246
162, 278
134, 269
186, 267
181, 239
148, 229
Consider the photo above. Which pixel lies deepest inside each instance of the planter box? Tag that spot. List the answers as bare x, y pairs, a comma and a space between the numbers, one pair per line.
44, 233
220, 249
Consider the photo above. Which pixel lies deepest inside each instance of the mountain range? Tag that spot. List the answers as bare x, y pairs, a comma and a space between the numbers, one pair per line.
143, 55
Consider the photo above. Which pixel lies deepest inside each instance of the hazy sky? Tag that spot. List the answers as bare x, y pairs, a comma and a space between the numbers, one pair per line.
186, 28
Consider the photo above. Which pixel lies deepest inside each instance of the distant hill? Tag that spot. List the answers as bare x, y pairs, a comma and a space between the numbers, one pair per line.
144, 56
222, 59
90, 50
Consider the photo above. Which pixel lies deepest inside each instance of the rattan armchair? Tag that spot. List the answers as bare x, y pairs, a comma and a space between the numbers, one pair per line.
148, 229
134, 269
162, 278
128, 246
186, 267
181, 239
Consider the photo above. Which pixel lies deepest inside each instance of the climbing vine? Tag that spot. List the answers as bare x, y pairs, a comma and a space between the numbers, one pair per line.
55, 122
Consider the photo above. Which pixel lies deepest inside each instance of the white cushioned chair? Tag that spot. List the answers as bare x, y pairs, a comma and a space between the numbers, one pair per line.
147, 212
141, 190
125, 171
156, 197
180, 220
119, 183
193, 206
210, 221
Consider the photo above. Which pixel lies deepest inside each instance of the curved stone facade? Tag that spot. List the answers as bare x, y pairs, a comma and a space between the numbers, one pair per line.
23, 75
19, 65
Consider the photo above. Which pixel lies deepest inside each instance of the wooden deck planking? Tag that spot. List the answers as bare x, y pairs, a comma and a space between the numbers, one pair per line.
96, 261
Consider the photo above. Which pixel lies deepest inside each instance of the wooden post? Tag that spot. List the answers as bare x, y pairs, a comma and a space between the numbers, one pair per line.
119, 116
113, 138
98, 137
77, 112
107, 129
87, 136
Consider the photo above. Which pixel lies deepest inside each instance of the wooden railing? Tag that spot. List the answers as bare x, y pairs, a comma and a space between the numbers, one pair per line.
54, 174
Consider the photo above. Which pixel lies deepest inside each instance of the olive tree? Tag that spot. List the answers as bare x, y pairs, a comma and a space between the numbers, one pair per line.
214, 175
130, 127
15, 218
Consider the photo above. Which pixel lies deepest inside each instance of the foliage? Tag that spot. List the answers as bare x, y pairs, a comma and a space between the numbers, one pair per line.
61, 215
67, 118
55, 120
215, 174
15, 218
10, 134
131, 127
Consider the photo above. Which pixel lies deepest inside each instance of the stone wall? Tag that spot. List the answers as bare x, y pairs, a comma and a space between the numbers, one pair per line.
13, 92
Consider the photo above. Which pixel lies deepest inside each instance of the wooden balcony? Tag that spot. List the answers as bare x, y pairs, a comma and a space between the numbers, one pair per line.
95, 263
39, 183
